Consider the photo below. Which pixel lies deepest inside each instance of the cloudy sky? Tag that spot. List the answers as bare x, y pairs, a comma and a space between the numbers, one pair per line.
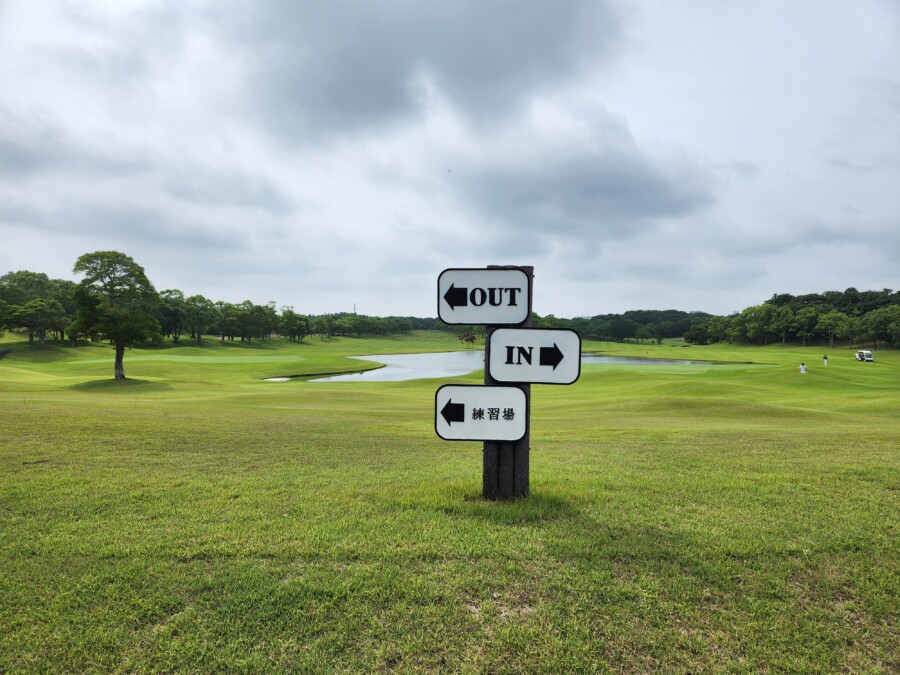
640, 154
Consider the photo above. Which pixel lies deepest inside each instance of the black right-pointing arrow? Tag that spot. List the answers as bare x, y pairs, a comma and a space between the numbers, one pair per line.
454, 412
457, 297
551, 356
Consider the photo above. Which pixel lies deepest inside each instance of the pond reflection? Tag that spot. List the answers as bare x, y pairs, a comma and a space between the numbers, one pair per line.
399, 367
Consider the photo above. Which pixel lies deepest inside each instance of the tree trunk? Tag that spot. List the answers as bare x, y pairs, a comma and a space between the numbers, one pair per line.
120, 369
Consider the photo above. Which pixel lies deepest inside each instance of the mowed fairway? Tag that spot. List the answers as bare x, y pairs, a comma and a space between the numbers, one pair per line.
194, 518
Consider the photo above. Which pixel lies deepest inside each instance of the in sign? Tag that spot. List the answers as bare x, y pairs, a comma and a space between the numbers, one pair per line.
483, 296
480, 413
536, 355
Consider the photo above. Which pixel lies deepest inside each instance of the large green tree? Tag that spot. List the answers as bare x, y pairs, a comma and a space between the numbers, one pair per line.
172, 313
697, 335
829, 324
293, 326
26, 294
115, 302
17, 288
883, 325
783, 322
201, 314
40, 316
849, 329
807, 319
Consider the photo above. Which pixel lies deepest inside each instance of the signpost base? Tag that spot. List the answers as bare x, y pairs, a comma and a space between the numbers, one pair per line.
505, 465
505, 468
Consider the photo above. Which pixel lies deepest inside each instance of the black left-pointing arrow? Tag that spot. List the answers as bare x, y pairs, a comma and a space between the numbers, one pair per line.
551, 356
457, 297
454, 412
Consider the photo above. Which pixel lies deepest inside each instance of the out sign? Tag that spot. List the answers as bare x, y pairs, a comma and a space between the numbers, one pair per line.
483, 296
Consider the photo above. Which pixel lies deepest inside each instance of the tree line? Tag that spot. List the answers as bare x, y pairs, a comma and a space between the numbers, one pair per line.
640, 325
117, 302
856, 317
851, 316
42, 307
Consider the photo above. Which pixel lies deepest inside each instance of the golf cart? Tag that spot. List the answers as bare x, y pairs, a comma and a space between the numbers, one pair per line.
864, 355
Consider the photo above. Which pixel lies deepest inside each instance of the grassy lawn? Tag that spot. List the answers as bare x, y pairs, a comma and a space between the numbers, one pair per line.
735, 517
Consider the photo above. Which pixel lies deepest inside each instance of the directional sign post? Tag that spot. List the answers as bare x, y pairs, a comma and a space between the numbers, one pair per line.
479, 413
500, 297
505, 467
496, 296
536, 355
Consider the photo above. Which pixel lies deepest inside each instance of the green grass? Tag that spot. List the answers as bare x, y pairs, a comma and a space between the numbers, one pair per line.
736, 517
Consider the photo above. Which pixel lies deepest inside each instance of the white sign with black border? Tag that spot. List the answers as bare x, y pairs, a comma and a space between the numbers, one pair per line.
535, 355
480, 413
483, 296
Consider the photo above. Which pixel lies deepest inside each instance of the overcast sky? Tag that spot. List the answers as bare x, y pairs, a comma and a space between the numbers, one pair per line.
640, 154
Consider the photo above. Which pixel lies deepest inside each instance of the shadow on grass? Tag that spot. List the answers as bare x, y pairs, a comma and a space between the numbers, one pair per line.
597, 538
111, 384
538, 507
212, 343
52, 350
575, 531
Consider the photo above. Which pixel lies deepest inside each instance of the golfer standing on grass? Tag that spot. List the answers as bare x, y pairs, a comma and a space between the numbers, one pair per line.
825, 360
803, 369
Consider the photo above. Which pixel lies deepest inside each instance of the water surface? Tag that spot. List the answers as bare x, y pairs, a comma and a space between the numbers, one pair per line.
398, 367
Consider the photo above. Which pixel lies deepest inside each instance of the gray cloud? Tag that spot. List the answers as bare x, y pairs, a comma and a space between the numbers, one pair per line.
847, 165
121, 51
15, 213
584, 195
325, 68
741, 169
109, 66
331, 153
29, 148
215, 187
136, 228
583, 191
145, 227
18, 159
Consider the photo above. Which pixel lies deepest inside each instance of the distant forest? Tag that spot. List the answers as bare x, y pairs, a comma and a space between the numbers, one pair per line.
34, 304
851, 316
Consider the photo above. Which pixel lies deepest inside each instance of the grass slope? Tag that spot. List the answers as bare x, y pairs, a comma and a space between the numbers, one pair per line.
722, 517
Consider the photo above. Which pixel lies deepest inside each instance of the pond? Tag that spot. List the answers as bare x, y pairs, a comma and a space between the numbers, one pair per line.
399, 367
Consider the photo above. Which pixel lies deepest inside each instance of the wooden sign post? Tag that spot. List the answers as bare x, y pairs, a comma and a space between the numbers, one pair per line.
505, 465
500, 298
